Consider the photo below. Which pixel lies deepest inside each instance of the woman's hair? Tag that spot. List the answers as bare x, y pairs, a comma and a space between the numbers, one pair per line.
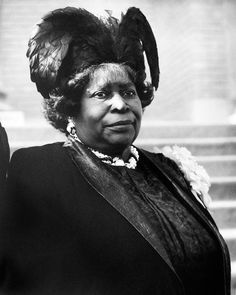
64, 101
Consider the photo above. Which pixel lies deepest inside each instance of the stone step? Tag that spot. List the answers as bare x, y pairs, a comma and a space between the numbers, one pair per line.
42, 130
197, 146
224, 165
180, 129
233, 277
229, 235
223, 188
224, 213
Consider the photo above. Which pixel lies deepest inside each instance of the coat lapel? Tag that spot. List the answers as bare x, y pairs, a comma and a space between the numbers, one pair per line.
106, 184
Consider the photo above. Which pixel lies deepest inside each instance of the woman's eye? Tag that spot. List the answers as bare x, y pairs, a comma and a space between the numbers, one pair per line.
129, 93
100, 94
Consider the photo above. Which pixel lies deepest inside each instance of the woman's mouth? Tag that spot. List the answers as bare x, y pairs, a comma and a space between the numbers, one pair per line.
121, 126
121, 123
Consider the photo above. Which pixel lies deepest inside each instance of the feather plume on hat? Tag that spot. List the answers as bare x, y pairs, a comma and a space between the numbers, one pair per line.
69, 40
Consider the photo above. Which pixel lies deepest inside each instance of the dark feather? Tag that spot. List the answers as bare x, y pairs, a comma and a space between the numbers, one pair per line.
135, 36
63, 31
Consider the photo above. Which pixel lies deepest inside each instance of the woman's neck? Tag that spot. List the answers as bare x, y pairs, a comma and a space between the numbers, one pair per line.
128, 157
120, 152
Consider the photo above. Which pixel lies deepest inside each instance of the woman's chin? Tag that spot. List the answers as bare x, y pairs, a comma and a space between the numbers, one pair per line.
116, 146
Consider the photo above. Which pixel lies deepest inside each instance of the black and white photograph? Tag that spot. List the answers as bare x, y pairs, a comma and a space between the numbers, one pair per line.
118, 147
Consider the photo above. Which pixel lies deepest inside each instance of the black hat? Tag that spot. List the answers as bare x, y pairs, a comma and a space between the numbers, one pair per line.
69, 40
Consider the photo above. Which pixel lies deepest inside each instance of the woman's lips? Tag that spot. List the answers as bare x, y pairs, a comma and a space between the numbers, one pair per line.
121, 123
121, 126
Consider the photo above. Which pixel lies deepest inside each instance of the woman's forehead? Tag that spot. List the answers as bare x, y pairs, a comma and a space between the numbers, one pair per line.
110, 75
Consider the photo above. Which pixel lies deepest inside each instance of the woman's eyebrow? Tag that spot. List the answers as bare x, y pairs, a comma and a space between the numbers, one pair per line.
107, 86
126, 85
122, 85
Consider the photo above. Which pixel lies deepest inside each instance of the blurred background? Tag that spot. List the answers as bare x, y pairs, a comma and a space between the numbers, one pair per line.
195, 105
197, 48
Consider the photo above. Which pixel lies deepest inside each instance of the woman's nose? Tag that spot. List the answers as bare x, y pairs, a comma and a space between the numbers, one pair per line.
119, 103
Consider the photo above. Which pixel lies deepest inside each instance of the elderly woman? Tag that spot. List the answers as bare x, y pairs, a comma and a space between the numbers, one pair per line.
96, 215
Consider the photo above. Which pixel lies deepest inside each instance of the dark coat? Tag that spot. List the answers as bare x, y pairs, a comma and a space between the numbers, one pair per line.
65, 230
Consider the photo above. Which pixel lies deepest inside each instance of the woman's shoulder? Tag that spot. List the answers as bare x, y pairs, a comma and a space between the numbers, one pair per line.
27, 153
29, 158
48, 164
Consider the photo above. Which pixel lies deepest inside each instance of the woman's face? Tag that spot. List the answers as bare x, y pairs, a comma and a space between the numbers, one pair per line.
110, 112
